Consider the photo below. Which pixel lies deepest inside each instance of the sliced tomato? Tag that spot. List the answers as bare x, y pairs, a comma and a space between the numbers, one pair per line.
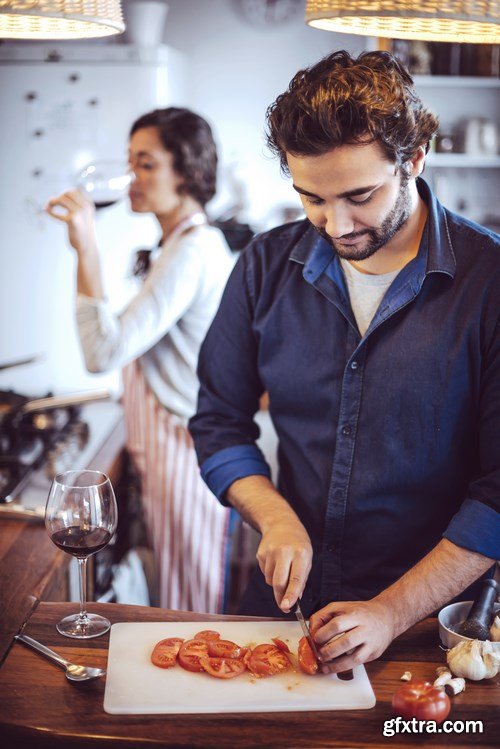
207, 635
190, 653
280, 644
223, 649
165, 652
222, 668
246, 655
267, 660
307, 662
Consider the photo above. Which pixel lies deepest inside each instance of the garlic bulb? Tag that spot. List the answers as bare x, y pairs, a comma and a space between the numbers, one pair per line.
474, 660
495, 629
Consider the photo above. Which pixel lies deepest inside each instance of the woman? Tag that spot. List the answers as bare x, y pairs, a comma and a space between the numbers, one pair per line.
157, 337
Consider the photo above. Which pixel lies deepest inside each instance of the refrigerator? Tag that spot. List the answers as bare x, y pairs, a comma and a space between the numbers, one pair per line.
63, 107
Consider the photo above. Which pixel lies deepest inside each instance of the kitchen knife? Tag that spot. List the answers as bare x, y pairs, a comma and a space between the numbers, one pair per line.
307, 632
344, 675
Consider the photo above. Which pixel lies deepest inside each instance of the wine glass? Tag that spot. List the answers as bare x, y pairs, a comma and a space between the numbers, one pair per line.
104, 182
81, 517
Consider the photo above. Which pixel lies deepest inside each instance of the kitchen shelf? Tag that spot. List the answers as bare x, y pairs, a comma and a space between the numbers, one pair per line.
456, 81
462, 160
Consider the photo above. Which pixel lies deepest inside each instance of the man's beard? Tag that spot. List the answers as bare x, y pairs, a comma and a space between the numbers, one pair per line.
380, 236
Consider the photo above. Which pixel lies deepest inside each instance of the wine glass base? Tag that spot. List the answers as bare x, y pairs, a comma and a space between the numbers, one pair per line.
91, 625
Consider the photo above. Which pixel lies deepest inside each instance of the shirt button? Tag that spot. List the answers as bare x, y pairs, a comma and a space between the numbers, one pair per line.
346, 431
354, 365
330, 549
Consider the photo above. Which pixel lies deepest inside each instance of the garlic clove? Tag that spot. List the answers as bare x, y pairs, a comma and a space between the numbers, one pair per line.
441, 670
454, 686
444, 675
406, 676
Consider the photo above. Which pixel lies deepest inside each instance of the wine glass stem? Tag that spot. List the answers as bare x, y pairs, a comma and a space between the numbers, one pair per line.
82, 570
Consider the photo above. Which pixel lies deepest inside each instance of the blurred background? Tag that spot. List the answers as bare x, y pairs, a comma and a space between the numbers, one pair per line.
68, 104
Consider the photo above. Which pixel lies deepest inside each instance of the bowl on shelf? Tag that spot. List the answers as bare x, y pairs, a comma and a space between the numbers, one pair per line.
451, 616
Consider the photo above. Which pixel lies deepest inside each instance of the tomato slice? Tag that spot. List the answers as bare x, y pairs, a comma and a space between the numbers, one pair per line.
222, 668
223, 649
190, 653
280, 644
165, 652
207, 635
307, 662
267, 660
421, 700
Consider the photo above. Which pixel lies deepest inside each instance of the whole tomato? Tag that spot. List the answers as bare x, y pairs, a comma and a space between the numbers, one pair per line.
421, 700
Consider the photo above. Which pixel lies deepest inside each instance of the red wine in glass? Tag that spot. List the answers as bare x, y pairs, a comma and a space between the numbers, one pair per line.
104, 182
81, 518
81, 542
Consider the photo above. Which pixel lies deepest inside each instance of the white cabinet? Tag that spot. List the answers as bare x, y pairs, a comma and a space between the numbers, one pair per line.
466, 183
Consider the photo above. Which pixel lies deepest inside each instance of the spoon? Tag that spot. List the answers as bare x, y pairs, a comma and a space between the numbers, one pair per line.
73, 671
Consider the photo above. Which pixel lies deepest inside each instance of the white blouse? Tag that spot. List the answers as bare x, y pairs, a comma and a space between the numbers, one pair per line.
165, 323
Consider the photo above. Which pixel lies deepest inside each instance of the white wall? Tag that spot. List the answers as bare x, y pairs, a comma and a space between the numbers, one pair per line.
236, 72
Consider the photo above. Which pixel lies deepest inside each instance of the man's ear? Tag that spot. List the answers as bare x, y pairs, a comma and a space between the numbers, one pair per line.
416, 163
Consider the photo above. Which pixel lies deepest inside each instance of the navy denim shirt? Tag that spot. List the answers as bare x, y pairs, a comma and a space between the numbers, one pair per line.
387, 442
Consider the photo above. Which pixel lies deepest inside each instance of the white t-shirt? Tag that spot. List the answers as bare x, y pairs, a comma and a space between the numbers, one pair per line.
366, 291
166, 322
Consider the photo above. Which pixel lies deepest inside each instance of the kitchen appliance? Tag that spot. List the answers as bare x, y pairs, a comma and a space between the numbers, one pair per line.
36, 444
135, 686
65, 107
32, 436
46, 431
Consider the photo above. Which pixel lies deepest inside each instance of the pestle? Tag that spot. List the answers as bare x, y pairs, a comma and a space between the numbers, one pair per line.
477, 625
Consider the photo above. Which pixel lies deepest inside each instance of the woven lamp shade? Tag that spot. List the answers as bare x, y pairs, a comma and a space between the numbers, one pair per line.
60, 19
471, 21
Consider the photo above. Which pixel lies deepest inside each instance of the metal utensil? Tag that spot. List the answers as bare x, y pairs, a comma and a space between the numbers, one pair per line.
307, 632
21, 362
344, 675
73, 671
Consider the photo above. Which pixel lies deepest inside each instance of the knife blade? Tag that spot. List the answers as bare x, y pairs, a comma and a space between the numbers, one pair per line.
307, 632
344, 675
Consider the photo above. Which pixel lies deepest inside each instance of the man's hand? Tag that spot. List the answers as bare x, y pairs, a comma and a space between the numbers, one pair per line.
285, 558
78, 216
352, 632
285, 551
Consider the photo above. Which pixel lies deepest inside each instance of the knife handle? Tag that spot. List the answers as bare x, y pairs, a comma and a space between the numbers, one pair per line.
346, 675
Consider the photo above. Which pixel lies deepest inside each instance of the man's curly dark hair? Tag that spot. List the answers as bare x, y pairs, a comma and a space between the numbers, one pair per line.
345, 100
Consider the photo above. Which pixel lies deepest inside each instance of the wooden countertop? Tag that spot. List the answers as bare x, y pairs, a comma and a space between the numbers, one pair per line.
32, 568
40, 708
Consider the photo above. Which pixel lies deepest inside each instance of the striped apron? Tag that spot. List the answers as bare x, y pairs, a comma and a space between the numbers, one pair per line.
188, 527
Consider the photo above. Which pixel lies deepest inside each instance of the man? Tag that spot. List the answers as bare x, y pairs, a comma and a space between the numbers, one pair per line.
373, 325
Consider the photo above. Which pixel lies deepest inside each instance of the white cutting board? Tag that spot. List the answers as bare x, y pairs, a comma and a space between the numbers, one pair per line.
135, 686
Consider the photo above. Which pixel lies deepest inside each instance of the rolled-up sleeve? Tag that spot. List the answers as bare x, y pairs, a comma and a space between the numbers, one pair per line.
476, 526
223, 429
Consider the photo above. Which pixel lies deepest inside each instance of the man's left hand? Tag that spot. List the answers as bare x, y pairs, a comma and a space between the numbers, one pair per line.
348, 633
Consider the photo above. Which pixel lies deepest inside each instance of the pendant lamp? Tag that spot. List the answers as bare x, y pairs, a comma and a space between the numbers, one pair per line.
60, 19
471, 21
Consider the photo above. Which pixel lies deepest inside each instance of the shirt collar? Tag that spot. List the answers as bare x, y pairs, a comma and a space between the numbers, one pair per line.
315, 253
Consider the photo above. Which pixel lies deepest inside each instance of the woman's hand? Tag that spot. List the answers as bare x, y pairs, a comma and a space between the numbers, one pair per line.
285, 558
79, 218
348, 633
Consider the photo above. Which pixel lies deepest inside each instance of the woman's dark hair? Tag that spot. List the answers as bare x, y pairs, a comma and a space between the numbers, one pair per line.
344, 100
189, 139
